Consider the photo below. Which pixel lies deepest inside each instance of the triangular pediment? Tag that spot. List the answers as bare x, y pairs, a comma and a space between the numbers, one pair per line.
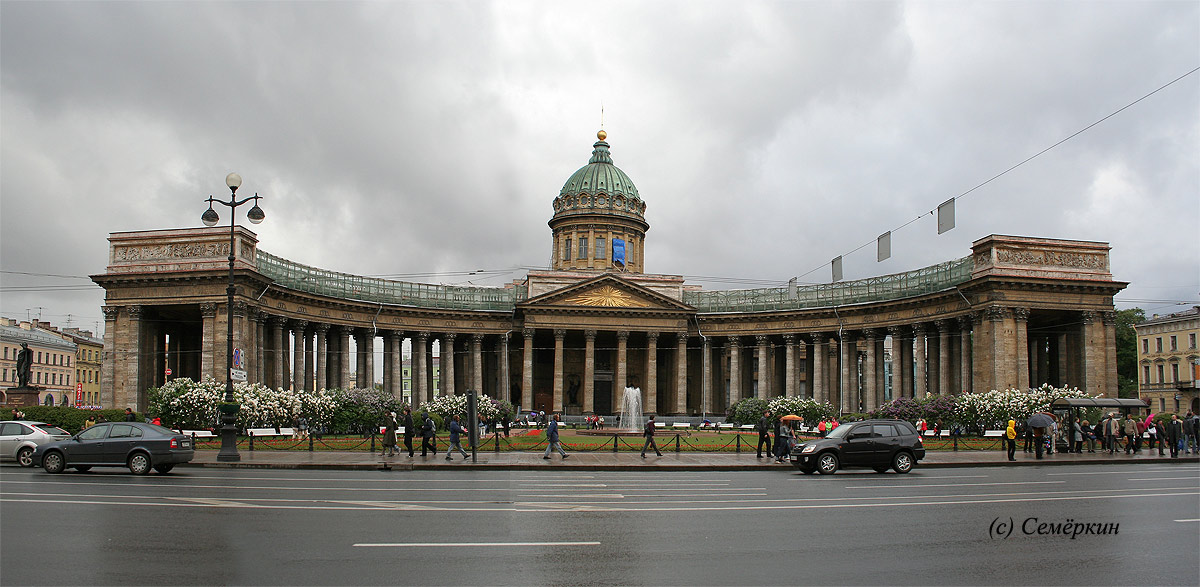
607, 291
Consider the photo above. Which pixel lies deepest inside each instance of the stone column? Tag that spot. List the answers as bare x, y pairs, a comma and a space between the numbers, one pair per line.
818, 342
278, 378
1021, 315
527, 369
681, 373
447, 380
589, 372
1093, 350
110, 396
477, 363
343, 350
420, 379
208, 315
310, 361
621, 377
849, 381
945, 387
1061, 351
651, 395
298, 349
388, 376
964, 356
870, 391
706, 392
789, 365
396, 360
920, 376
369, 357
880, 374
764, 369
1109, 375
559, 335
322, 357
735, 370
898, 375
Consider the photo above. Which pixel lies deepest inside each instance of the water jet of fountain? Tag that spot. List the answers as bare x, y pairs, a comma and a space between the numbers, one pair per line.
631, 409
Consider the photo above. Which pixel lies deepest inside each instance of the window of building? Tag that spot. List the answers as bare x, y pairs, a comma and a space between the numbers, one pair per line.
1192, 340
1158, 344
1161, 379
601, 252
39, 377
1176, 405
583, 252
567, 250
1174, 343
6, 352
1145, 346
3, 374
1174, 371
1162, 404
39, 356
1146, 374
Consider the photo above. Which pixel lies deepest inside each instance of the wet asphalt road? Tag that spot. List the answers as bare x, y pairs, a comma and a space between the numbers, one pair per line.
933, 526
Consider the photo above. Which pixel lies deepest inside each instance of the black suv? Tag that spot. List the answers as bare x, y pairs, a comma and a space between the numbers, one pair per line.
879, 444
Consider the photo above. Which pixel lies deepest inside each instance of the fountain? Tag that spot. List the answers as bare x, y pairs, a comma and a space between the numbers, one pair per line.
630, 411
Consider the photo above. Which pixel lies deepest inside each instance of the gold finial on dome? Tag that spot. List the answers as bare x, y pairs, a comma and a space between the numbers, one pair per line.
602, 135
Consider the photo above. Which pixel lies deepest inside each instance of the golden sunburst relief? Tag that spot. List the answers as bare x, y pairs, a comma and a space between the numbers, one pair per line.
608, 296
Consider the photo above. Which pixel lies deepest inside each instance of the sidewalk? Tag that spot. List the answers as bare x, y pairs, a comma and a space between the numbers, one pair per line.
625, 461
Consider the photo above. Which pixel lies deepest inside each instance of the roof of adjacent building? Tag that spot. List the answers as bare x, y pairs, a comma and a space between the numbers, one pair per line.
1192, 312
16, 334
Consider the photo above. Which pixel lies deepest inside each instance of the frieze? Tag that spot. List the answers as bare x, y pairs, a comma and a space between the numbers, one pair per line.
171, 251
1056, 258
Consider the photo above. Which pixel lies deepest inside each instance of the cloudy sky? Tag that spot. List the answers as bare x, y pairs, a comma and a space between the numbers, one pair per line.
427, 140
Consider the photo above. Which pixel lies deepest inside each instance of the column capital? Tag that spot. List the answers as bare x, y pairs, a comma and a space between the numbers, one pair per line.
994, 313
896, 331
278, 321
299, 326
110, 312
818, 337
943, 325
847, 335
870, 334
560, 333
622, 335
1021, 314
965, 322
590, 335
423, 336
207, 310
396, 335
1109, 317
1088, 316
477, 337
449, 337
919, 329
734, 341
345, 330
240, 308
652, 336
788, 339
528, 333
321, 327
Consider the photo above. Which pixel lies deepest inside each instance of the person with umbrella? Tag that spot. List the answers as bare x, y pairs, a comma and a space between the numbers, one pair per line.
1039, 422
784, 437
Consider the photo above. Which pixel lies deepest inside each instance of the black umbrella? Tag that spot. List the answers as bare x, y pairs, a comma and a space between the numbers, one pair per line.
1040, 421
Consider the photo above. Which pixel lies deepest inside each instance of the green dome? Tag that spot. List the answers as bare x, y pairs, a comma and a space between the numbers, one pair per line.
599, 187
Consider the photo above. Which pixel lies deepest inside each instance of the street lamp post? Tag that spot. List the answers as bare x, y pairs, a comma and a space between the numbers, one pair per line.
229, 409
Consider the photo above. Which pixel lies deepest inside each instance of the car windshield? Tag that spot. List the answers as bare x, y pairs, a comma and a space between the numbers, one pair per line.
161, 430
840, 431
52, 430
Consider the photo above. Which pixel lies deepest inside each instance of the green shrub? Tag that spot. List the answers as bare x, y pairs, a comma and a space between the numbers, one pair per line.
747, 411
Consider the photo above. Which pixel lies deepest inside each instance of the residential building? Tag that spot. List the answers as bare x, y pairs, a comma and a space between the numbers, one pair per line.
1169, 361
53, 370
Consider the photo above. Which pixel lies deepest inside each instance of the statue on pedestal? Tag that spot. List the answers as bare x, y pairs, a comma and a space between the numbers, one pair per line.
24, 365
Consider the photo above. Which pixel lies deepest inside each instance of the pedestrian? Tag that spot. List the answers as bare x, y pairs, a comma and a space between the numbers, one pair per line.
157, 421
1130, 429
1191, 429
1010, 439
428, 438
1038, 441
1160, 430
783, 442
1175, 435
91, 421
1089, 435
821, 428
17, 414
1076, 437
389, 435
552, 442
1151, 433
1111, 430
456, 431
129, 415
302, 424
1027, 436
764, 432
408, 430
648, 433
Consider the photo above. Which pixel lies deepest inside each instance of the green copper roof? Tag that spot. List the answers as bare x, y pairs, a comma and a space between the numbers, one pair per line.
600, 176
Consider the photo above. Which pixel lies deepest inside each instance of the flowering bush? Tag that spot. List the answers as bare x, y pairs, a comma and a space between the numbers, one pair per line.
990, 409
811, 410
183, 403
448, 406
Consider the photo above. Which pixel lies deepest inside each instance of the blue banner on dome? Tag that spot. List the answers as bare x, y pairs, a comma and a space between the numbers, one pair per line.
618, 252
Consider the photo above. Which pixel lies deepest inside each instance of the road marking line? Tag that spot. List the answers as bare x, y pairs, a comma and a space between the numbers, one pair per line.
1192, 520
920, 485
1163, 479
1171, 469
470, 544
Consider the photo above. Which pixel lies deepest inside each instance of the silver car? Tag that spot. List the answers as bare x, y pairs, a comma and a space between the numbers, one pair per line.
19, 438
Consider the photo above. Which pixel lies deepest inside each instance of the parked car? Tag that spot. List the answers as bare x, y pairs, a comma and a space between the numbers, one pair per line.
879, 444
19, 438
136, 445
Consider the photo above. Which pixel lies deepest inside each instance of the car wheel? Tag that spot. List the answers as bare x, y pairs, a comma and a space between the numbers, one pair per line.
881, 469
827, 463
139, 463
83, 468
902, 462
25, 457
53, 462
164, 469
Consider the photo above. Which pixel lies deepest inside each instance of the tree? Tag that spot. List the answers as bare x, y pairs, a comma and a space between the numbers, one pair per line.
1127, 367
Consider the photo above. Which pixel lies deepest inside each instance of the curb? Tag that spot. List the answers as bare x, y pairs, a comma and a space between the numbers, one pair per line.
388, 466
